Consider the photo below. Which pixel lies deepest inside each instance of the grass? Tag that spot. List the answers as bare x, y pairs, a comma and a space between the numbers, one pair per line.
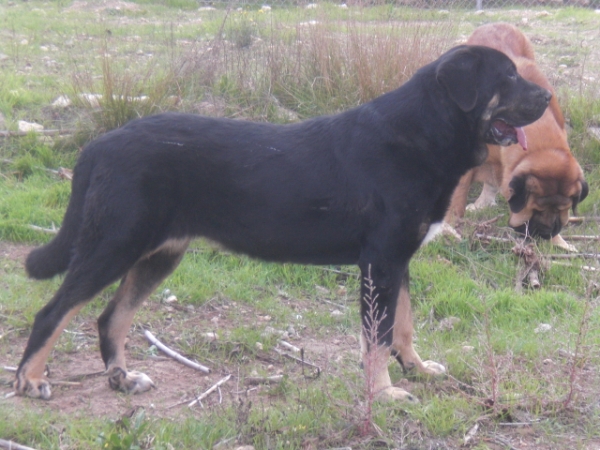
283, 65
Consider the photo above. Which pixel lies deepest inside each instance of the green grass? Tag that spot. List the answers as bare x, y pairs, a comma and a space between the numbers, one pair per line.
278, 66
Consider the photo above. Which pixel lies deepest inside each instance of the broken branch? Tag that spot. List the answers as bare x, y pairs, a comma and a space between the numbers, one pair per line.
173, 354
263, 380
209, 391
10, 445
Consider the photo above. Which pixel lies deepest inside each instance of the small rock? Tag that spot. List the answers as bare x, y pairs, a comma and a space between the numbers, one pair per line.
468, 348
265, 8
24, 42
448, 323
92, 100
211, 336
547, 361
29, 126
171, 299
61, 102
259, 346
336, 313
215, 320
543, 328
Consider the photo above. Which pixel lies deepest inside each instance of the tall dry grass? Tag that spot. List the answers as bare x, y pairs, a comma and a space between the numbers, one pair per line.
263, 70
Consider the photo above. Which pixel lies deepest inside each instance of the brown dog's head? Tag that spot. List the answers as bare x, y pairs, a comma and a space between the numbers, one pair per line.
542, 189
504, 103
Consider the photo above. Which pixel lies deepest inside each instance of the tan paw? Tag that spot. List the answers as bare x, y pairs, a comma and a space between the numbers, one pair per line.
433, 368
395, 394
558, 241
38, 388
130, 382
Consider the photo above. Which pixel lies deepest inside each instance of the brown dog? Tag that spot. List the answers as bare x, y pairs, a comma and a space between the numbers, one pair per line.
541, 183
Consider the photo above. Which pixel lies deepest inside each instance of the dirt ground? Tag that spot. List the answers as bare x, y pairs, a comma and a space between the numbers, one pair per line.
80, 386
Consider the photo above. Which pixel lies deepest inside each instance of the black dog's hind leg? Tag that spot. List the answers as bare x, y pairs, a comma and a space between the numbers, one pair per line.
91, 270
114, 323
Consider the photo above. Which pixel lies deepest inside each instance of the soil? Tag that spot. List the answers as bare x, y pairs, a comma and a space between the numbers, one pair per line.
77, 371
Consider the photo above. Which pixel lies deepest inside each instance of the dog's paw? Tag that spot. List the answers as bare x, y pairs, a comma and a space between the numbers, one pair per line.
558, 241
36, 388
395, 394
130, 382
434, 369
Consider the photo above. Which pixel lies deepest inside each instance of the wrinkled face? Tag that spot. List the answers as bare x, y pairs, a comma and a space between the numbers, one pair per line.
484, 83
540, 206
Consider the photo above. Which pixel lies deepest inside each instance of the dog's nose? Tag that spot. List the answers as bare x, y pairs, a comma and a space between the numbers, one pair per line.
547, 95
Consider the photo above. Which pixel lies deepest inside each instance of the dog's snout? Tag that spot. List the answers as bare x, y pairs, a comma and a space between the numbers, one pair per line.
547, 95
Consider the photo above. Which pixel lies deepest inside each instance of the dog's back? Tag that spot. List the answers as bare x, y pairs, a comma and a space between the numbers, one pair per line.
505, 38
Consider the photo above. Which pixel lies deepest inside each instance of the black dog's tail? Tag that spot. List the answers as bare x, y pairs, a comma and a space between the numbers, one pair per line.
54, 257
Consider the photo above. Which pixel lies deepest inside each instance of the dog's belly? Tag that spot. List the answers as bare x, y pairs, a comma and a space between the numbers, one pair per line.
279, 243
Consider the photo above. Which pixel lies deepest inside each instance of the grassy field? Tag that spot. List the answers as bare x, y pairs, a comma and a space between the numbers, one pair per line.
523, 364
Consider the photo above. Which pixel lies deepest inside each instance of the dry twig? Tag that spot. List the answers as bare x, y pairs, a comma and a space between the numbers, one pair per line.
52, 230
206, 393
252, 381
173, 354
10, 445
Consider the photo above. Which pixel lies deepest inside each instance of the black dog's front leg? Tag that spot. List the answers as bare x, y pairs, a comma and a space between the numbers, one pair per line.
388, 328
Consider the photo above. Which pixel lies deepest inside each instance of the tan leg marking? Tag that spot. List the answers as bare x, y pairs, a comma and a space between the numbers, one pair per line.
558, 241
375, 363
403, 338
485, 199
32, 381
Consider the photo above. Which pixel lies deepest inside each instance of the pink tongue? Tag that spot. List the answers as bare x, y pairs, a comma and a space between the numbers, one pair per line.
521, 137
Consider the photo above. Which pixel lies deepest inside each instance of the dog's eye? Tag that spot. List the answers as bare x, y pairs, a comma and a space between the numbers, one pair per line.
512, 76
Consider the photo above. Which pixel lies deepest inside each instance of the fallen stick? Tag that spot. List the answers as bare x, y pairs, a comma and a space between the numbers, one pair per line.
209, 391
10, 445
533, 279
301, 361
173, 354
52, 230
493, 238
289, 346
586, 268
575, 256
252, 381
582, 237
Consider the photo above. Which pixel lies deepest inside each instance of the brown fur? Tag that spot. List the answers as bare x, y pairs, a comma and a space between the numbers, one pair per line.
553, 179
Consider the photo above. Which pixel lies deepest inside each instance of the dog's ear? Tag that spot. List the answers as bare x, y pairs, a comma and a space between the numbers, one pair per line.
585, 190
457, 73
518, 197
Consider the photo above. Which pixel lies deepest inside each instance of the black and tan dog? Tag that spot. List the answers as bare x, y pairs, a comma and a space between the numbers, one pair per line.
362, 187
541, 184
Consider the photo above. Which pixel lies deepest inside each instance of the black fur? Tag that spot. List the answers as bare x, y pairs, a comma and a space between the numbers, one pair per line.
360, 187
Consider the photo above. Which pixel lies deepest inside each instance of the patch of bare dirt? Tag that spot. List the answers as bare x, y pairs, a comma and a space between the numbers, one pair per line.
14, 252
80, 386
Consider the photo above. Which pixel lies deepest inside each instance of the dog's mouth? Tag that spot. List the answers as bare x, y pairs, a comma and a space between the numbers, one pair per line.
503, 134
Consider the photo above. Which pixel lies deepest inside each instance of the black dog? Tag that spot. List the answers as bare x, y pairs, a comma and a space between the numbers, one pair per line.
361, 187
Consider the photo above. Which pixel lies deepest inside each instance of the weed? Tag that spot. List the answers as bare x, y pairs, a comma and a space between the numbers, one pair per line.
127, 433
